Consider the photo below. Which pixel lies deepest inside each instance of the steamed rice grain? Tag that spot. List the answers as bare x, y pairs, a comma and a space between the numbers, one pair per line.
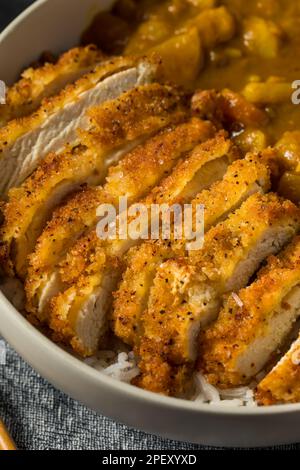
207, 393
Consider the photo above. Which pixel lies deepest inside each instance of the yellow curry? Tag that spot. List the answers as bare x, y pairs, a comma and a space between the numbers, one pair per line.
251, 47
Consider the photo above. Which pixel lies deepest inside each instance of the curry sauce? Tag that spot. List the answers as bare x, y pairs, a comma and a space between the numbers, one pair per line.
248, 47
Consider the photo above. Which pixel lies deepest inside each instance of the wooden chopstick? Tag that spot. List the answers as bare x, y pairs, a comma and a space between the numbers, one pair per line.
6, 442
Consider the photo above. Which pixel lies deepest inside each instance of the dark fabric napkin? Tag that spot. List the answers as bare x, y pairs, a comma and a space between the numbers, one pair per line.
42, 418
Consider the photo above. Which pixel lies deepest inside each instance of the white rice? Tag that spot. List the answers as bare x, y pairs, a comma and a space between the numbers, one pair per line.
121, 364
118, 365
207, 393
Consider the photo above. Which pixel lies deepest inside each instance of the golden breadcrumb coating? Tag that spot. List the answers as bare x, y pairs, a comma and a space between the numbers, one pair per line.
242, 178
95, 270
115, 126
30, 205
169, 292
173, 189
282, 384
141, 169
235, 349
33, 125
36, 84
186, 294
18, 127
131, 297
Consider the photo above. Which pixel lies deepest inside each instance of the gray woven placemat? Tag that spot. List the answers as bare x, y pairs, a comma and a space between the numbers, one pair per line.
42, 418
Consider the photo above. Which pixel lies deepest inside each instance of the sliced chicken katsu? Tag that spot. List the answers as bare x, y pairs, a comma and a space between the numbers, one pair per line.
204, 165
242, 179
25, 142
282, 384
118, 126
79, 314
254, 323
36, 84
135, 175
187, 294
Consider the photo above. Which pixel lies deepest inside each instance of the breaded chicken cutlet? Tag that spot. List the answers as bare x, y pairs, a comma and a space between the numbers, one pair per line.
202, 166
88, 130
25, 142
117, 127
242, 179
79, 314
254, 324
36, 84
282, 384
141, 170
187, 294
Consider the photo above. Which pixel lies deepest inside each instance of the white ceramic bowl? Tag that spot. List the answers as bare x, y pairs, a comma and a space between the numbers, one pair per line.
56, 25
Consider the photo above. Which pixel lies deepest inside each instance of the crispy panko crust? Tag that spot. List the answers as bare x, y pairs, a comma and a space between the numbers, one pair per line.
166, 329
242, 178
167, 291
132, 295
170, 191
282, 384
18, 127
159, 376
64, 309
187, 293
136, 114
242, 322
245, 225
227, 108
94, 251
28, 208
141, 173
27, 94
141, 169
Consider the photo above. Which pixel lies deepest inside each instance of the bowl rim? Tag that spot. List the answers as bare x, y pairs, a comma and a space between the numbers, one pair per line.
59, 355
19, 18
73, 363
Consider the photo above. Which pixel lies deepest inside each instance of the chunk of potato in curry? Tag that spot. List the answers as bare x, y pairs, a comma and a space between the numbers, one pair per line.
250, 47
